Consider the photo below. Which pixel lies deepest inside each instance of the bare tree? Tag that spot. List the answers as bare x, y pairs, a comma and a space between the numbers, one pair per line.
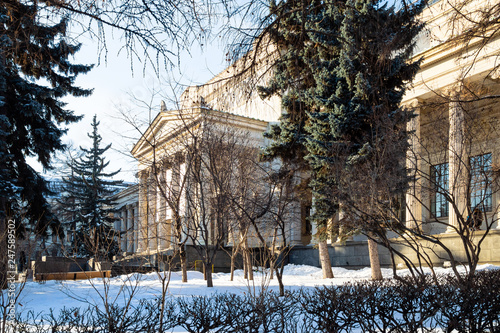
153, 32
251, 198
284, 200
163, 189
457, 179
192, 161
263, 201
216, 149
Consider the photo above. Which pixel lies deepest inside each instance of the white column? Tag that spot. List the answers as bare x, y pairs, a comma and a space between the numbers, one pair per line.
168, 210
130, 229
137, 222
340, 216
117, 226
183, 184
413, 165
457, 164
152, 222
295, 217
160, 215
124, 217
314, 227
142, 225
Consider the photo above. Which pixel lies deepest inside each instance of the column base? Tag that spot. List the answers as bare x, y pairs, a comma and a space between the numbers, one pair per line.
450, 230
296, 243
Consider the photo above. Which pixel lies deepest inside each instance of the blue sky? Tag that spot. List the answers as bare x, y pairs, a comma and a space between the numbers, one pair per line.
113, 79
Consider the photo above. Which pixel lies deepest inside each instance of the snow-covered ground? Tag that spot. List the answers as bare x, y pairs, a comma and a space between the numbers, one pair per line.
40, 297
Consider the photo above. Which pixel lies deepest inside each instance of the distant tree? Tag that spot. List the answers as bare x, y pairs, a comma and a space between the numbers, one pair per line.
344, 71
86, 198
35, 74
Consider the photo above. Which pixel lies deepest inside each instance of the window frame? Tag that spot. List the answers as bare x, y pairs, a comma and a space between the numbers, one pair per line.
481, 197
440, 178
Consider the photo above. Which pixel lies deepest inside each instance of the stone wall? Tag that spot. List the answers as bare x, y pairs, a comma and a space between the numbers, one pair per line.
355, 254
59, 264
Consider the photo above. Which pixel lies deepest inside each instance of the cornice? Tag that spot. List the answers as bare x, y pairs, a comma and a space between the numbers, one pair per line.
191, 118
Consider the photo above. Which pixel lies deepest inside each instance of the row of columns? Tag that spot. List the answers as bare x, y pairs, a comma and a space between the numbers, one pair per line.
155, 222
457, 166
128, 228
155, 211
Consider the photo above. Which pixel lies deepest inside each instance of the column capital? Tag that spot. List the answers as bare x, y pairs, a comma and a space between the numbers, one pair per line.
453, 91
143, 175
413, 103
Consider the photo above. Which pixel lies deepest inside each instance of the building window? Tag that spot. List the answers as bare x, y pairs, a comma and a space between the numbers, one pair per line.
480, 182
439, 179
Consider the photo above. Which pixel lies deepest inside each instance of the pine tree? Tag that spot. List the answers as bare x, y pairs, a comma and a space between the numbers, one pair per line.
353, 59
86, 199
35, 74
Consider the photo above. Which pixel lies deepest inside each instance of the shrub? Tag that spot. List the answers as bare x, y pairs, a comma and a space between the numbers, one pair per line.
370, 306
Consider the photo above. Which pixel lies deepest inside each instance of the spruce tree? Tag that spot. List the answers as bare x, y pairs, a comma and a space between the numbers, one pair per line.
295, 77
86, 199
35, 73
354, 67
371, 77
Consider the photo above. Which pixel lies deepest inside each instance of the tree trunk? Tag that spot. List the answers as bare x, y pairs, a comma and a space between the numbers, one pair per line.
245, 266
247, 261
374, 260
279, 276
271, 268
272, 259
183, 259
207, 267
249, 264
324, 258
233, 255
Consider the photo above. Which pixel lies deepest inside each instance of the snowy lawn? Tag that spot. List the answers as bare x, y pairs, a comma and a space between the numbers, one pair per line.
55, 295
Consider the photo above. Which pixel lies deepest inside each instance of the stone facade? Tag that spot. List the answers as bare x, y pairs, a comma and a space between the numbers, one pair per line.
452, 134
165, 193
456, 132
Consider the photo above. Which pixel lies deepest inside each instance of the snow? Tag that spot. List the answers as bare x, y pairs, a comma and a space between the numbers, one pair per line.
40, 297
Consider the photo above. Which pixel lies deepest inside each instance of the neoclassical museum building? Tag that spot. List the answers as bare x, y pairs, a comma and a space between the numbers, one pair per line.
454, 150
